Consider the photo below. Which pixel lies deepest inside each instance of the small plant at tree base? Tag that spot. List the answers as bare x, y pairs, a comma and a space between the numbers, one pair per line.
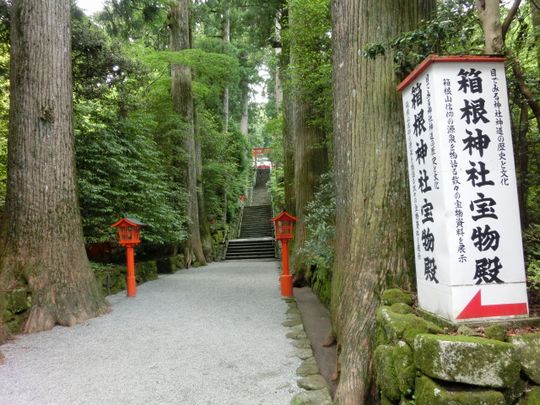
318, 249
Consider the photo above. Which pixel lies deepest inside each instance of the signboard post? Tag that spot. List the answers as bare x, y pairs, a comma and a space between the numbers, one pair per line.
467, 234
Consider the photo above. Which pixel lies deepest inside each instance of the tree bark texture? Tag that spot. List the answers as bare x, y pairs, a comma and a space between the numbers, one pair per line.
182, 98
226, 92
244, 120
288, 139
204, 226
42, 244
373, 221
310, 155
490, 17
278, 87
535, 11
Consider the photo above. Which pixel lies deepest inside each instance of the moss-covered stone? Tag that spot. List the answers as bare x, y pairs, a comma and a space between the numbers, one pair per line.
464, 330
318, 397
302, 344
386, 373
307, 369
467, 359
405, 368
293, 310
292, 322
165, 266
146, 271
380, 335
496, 332
528, 354
313, 382
178, 262
18, 301
386, 401
430, 393
405, 327
401, 308
16, 304
395, 370
515, 392
531, 398
395, 295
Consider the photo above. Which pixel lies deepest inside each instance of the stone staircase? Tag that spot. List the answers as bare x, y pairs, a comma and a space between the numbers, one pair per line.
256, 239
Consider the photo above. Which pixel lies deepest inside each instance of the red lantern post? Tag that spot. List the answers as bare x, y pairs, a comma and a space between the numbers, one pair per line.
284, 224
129, 230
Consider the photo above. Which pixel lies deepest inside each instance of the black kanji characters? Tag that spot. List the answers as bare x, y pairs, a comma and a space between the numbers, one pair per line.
483, 207
419, 124
474, 110
487, 271
470, 80
428, 240
477, 175
485, 239
421, 151
427, 211
423, 182
417, 95
480, 142
430, 269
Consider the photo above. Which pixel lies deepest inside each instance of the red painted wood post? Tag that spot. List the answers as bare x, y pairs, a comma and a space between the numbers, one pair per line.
131, 281
284, 224
129, 234
286, 278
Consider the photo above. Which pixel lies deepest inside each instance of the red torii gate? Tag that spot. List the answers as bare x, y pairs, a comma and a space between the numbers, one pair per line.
261, 163
260, 151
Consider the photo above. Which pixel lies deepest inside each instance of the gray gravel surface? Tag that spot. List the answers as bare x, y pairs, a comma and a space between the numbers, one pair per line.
211, 335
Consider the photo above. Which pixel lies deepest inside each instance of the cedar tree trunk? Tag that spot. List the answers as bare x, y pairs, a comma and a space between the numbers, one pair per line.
42, 244
310, 154
182, 97
373, 226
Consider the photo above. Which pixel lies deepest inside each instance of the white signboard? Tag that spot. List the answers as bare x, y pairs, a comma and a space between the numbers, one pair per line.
467, 235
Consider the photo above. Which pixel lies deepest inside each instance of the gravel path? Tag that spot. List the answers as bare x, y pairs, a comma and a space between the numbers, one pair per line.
211, 335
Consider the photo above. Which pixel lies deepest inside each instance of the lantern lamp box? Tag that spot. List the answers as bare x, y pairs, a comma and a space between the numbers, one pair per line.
128, 230
284, 223
467, 234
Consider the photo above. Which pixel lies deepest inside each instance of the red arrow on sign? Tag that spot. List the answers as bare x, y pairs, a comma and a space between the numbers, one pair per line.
475, 309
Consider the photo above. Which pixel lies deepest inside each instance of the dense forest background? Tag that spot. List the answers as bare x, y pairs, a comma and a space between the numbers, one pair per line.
180, 163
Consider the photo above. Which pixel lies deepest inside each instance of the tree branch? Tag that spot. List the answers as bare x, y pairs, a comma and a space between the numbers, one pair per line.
525, 90
510, 17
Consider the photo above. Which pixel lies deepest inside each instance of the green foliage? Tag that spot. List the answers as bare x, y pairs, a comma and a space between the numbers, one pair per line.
120, 174
120, 166
273, 130
318, 250
224, 166
277, 188
135, 20
454, 31
310, 71
531, 240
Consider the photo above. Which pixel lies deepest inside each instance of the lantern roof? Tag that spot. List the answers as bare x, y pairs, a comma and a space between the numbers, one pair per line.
285, 216
128, 221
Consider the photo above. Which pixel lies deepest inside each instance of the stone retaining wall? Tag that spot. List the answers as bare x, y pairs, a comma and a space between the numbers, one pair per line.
419, 362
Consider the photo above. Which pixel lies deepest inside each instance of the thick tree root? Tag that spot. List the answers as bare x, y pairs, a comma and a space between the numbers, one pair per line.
42, 318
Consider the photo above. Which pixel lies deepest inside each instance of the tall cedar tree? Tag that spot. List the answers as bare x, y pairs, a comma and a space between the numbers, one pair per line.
42, 244
373, 231
182, 96
310, 153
